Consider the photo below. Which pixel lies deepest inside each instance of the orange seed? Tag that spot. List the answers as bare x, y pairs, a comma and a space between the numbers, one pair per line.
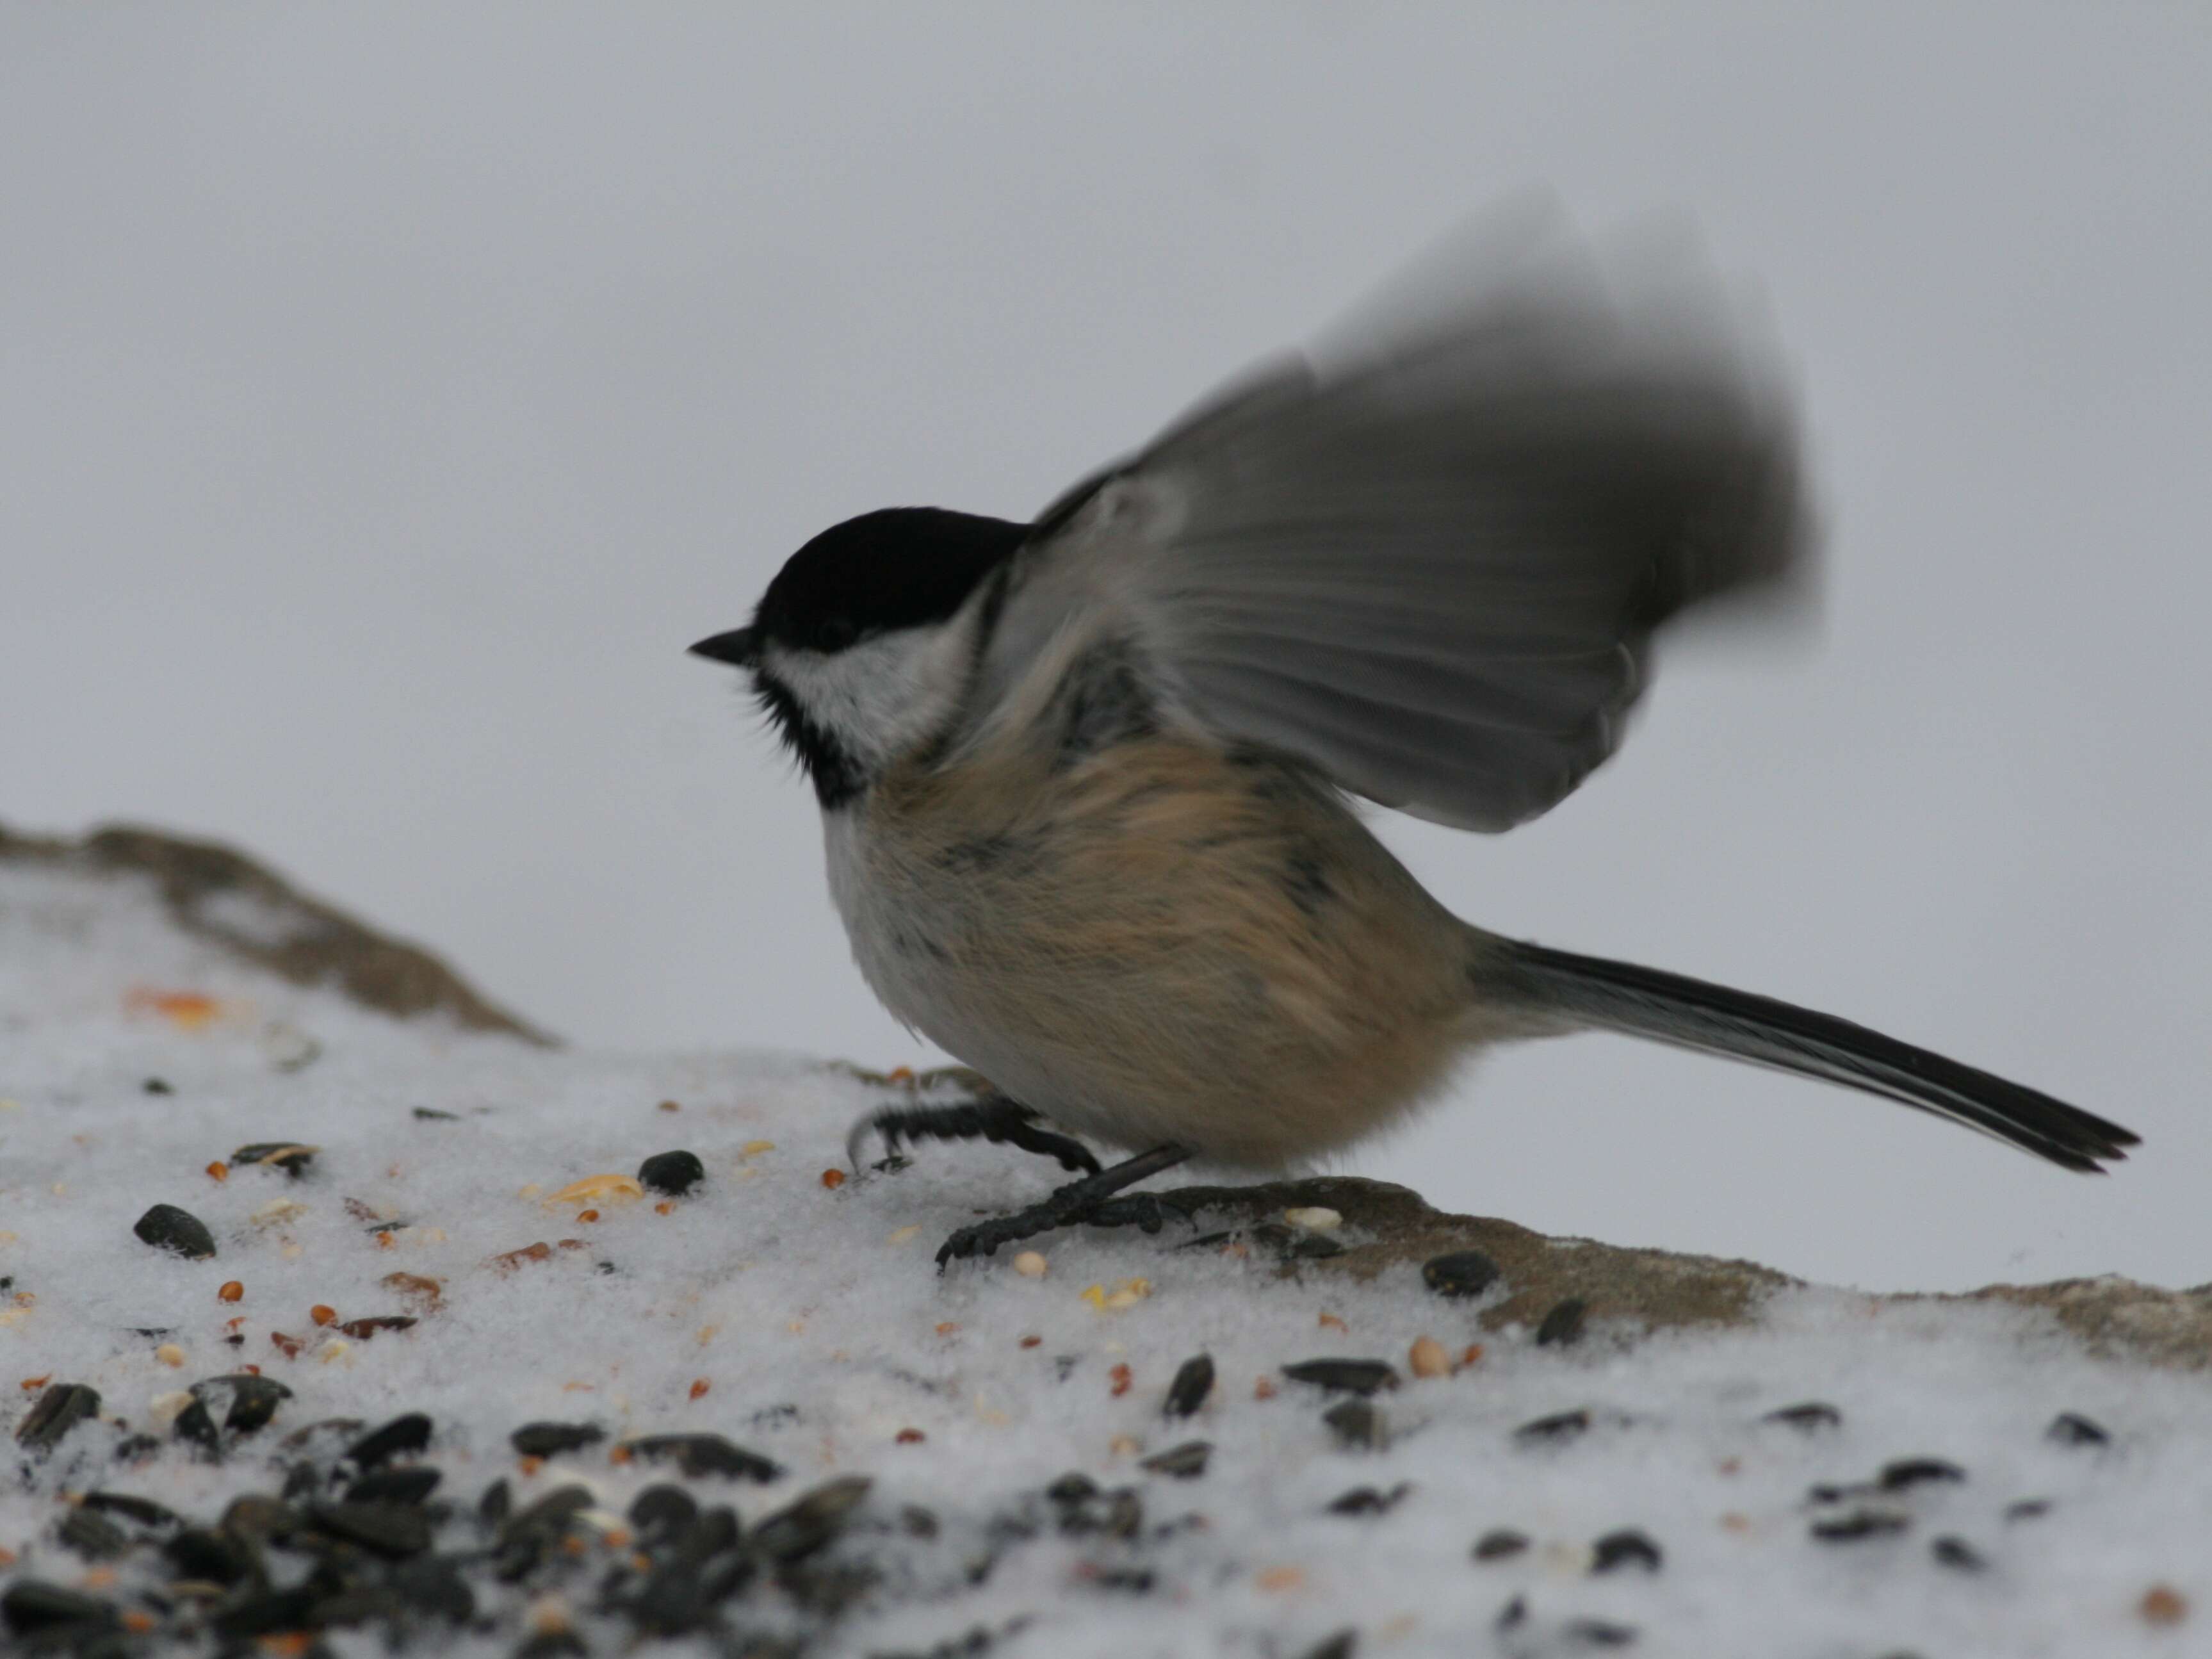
2163, 1605
232, 1291
833, 1179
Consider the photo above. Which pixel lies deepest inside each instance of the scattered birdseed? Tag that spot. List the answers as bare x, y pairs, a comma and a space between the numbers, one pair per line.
552, 1439
1357, 1426
1860, 1524
701, 1455
2162, 1606
1555, 1430
1625, 1548
673, 1173
170, 1354
1183, 1462
1125, 1294
1427, 1358
1031, 1265
408, 1432
2072, 1429
178, 1231
1462, 1273
1500, 1544
1193, 1380
288, 1156
233, 1291
1957, 1554
1314, 1219
1918, 1471
833, 1179
422, 1291
362, 1329
1366, 1500
1813, 1414
1360, 1377
1563, 1324
58, 1410
1120, 1377
598, 1189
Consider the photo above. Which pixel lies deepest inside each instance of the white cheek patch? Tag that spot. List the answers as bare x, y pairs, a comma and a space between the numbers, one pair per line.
881, 697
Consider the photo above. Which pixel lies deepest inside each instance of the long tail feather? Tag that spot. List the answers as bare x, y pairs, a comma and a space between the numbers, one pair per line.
1690, 1013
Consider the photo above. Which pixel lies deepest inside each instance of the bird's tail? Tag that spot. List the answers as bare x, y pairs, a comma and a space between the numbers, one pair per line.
1592, 993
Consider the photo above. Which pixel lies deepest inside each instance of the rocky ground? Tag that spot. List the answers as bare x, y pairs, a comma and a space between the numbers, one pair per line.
339, 1310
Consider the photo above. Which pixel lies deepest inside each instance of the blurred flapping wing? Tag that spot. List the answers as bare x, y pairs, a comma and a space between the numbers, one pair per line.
1428, 559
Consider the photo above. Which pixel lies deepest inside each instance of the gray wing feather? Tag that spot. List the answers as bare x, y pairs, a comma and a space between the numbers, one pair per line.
1430, 562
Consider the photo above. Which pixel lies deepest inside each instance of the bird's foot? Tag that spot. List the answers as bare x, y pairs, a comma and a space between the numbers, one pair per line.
1091, 1200
995, 1119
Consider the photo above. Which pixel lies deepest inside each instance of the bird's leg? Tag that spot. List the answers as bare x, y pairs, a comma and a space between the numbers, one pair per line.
1091, 1200
994, 1118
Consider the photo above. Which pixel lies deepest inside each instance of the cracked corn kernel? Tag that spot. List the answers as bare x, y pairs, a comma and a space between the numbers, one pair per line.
600, 1190
1031, 1265
755, 1148
1427, 1358
1314, 1219
170, 1354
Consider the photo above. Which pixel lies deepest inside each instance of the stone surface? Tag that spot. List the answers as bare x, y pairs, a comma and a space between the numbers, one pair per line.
295, 937
1630, 1291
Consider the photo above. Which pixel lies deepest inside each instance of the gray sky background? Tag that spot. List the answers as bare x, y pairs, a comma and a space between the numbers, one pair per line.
387, 395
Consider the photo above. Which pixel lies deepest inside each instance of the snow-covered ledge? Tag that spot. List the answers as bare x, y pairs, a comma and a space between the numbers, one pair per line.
455, 1372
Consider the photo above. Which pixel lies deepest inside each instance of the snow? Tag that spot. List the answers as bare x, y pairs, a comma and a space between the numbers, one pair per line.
806, 1321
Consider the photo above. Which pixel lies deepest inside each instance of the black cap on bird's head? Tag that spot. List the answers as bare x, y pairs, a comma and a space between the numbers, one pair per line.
901, 569
902, 566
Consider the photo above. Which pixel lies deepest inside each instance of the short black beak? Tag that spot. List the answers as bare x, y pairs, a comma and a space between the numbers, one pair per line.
737, 647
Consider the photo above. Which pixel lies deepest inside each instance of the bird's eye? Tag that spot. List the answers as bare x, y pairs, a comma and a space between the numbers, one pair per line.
835, 633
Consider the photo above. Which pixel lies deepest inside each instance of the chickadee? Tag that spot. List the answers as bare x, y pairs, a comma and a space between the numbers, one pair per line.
1084, 779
